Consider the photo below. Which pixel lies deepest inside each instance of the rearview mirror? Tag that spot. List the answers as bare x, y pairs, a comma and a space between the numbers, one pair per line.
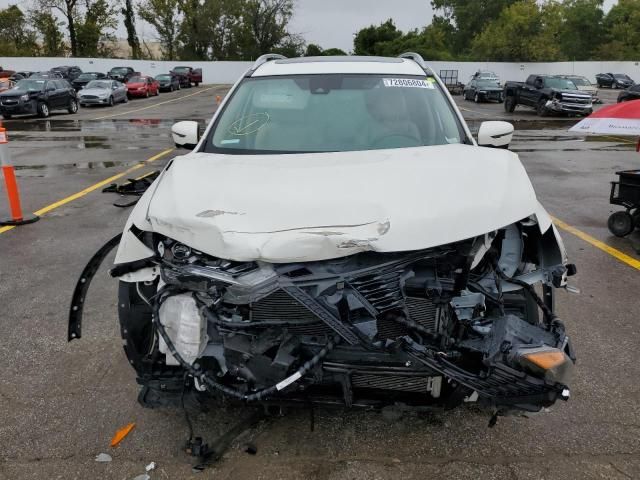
495, 134
185, 134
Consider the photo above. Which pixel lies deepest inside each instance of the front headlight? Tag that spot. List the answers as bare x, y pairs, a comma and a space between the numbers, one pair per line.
25, 97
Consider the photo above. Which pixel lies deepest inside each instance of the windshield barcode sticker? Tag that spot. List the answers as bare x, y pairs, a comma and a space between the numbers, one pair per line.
406, 82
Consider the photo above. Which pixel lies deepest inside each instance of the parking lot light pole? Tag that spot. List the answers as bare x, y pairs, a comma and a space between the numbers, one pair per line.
17, 218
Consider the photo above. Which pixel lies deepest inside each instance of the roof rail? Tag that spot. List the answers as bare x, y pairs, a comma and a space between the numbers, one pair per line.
416, 57
264, 59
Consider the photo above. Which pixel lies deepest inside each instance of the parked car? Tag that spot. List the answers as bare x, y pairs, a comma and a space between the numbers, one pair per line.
418, 294
103, 92
68, 73
547, 94
38, 96
122, 74
20, 75
142, 86
584, 85
631, 93
85, 78
189, 75
614, 80
168, 82
486, 75
45, 75
6, 73
481, 90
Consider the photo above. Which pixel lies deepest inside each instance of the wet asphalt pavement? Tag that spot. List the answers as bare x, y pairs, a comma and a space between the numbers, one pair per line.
61, 403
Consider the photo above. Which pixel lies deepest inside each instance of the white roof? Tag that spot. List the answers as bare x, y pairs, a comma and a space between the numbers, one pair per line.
352, 64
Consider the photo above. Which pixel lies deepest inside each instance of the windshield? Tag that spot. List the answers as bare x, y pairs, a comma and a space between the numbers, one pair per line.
621, 76
326, 113
28, 84
163, 77
181, 69
580, 81
136, 80
488, 84
98, 84
560, 83
120, 70
87, 76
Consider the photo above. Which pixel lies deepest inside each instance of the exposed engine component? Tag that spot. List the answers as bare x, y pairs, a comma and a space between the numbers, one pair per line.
426, 327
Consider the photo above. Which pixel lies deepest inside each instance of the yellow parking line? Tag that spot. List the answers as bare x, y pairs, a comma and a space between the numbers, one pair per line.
614, 252
154, 105
93, 187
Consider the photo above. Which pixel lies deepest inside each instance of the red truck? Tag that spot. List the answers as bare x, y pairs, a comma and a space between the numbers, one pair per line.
188, 75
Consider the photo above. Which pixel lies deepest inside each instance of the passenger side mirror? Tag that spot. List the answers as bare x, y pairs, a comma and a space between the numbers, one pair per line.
495, 134
185, 134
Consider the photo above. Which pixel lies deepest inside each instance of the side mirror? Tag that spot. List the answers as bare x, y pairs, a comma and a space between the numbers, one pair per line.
495, 134
186, 134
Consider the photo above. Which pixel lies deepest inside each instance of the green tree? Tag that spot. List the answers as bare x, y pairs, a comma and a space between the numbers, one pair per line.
524, 32
68, 9
334, 51
622, 32
129, 19
94, 29
470, 17
313, 50
368, 41
264, 26
16, 37
582, 28
209, 29
164, 16
48, 30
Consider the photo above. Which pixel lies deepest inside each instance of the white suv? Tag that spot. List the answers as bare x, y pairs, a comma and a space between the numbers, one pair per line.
338, 235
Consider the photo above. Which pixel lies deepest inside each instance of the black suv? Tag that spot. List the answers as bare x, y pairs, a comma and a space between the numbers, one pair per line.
614, 80
81, 81
631, 93
38, 96
68, 73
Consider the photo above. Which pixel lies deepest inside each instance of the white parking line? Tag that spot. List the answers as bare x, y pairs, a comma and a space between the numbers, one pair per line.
155, 104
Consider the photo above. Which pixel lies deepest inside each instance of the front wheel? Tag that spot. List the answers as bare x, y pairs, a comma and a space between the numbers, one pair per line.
620, 224
111, 102
509, 104
542, 108
43, 110
147, 94
476, 98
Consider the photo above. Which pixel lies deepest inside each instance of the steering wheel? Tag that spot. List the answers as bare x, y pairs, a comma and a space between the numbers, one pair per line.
379, 142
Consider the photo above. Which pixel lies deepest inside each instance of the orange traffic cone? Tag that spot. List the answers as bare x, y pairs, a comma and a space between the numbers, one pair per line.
17, 218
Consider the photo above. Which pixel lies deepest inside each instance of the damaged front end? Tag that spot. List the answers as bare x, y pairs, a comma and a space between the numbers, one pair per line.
470, 321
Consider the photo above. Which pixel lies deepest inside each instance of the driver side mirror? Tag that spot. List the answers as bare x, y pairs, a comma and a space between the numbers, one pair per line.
495, 134
185, 134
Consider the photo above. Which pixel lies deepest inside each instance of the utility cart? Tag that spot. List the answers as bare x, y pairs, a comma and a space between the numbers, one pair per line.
450, 79
626, 193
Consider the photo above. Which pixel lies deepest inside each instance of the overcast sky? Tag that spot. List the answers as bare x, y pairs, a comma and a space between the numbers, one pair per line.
332, 23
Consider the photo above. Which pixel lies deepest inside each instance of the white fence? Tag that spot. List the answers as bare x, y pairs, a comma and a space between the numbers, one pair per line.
228, 72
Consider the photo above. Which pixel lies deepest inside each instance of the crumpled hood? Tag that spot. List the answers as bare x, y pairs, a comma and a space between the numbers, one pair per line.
285, 208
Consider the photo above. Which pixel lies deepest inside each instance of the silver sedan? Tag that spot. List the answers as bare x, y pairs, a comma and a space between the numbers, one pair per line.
103, 92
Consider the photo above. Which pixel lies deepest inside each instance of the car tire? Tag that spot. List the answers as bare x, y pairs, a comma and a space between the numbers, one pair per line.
125, 99
157, 93
509, 104
476, 98
43, 110
171, 89
620, 224
541, 109
111, 102
73, 106
196, 84
147, 94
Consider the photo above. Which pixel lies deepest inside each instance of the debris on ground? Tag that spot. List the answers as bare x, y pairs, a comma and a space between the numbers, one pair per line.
121, 434
144, 476
251, 449
103, 458
151, 466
